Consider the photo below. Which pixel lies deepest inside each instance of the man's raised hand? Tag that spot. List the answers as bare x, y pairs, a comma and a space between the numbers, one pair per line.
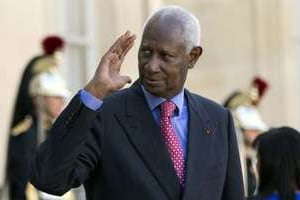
107, 78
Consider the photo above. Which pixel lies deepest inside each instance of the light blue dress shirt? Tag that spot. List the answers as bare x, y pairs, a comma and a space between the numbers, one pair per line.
89, 100
179, 118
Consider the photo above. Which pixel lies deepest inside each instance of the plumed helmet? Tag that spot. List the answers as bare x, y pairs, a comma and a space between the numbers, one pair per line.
52, 43
48, 84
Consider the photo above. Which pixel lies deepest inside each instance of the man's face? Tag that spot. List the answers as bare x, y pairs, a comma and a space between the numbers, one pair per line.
163, 59
250, 136
53, 105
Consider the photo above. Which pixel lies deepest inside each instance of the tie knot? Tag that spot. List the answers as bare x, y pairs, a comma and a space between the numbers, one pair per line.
167, 108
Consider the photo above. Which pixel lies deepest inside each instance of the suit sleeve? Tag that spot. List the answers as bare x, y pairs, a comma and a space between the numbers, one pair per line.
233, 189
70, 153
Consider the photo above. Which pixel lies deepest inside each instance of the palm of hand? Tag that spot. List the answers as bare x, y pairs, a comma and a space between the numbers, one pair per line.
107, 78
110, 71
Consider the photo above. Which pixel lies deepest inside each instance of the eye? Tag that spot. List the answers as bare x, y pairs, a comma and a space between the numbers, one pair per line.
145, 52
167, 57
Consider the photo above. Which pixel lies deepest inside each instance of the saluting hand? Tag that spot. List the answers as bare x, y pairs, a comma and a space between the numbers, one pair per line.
107, 78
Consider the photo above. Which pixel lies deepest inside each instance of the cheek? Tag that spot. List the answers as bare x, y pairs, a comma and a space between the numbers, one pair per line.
184, 72
141, 61
178, 75
250, 135
141, 65
54, 106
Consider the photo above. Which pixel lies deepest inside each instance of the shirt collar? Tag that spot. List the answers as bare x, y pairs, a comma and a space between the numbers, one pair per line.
154, 101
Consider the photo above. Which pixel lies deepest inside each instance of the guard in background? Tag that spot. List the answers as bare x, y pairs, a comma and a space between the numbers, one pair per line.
50, 60
24, 124
48, 93
243, 105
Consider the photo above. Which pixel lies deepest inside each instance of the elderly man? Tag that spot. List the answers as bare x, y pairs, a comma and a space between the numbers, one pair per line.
152, 141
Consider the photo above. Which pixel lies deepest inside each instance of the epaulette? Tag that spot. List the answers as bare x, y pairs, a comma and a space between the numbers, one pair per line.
22, 126
48, 122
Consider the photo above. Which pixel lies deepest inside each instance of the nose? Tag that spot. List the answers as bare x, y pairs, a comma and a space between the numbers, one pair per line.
153, 64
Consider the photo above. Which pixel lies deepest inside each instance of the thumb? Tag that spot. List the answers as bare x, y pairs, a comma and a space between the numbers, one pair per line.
125, 79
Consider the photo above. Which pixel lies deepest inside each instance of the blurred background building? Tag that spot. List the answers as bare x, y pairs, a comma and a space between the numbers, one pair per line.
240, 38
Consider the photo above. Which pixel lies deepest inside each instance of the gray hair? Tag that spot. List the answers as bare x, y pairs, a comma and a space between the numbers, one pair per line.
190, 24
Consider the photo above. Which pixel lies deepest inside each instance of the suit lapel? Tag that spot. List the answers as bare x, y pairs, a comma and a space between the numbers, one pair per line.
199, 143
144, 134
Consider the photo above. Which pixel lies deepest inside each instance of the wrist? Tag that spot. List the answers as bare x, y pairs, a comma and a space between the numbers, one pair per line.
97, 90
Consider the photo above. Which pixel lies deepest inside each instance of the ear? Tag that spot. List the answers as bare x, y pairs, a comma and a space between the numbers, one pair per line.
194, 55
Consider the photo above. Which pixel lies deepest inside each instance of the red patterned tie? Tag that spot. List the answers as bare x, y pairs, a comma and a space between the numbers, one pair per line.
172, 141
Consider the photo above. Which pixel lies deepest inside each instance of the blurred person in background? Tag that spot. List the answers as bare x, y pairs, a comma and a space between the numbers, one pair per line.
278, 164
48, 94
49, 60
24, 116
249, 124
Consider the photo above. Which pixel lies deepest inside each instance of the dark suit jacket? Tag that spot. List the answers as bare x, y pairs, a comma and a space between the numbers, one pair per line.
255, 198
118, 152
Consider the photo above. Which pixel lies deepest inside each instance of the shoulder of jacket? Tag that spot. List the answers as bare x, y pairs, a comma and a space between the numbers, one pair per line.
22, 126
206, 102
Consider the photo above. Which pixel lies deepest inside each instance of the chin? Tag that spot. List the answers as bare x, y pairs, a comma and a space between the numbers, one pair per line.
156, 91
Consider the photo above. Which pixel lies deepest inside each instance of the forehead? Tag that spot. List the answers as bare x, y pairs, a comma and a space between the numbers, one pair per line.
165, 32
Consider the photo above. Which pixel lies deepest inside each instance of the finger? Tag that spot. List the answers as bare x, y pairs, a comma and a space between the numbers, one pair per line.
123, 46
117, 43
127, 48
121, 41
125, 79
113, 58
126, 40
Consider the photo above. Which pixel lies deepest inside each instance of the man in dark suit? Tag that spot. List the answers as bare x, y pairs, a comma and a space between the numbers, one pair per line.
131, 144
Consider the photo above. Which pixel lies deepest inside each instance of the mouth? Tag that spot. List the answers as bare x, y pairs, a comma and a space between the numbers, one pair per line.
151, 82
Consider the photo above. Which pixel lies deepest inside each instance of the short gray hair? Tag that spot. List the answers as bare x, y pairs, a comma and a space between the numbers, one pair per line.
190, 23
